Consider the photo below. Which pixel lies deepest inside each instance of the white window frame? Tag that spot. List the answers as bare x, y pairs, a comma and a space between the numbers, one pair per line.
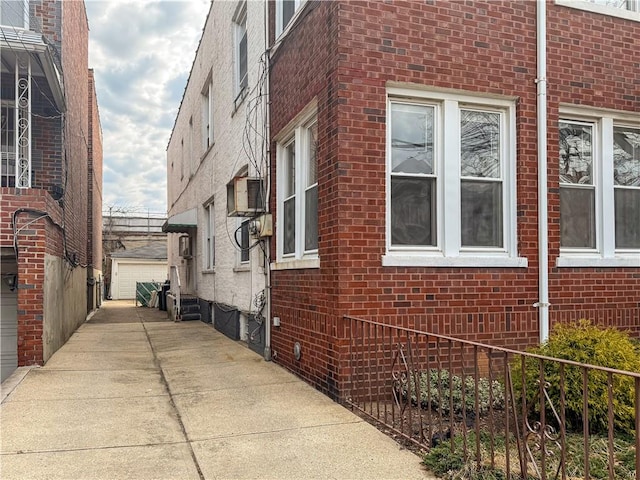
25, 13
448, 251
280, 28
629, 11
239, 31
298, 131
207, 116
209, 240
605, 253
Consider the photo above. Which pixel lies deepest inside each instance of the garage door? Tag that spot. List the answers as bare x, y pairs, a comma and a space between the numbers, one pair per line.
130, 273
8, 330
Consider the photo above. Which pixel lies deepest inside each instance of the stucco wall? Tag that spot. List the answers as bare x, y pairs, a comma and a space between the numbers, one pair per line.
65, 303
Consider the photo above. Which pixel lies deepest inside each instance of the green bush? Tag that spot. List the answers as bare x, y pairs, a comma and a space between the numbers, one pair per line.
443, 388
585, 343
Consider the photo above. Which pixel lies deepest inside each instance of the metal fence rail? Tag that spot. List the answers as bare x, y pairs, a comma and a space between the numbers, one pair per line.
433, 389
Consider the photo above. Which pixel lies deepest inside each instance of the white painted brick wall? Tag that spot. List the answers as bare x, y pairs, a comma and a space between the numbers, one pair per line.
209, 174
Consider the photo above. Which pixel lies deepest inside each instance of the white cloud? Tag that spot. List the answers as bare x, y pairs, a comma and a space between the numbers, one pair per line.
141, 52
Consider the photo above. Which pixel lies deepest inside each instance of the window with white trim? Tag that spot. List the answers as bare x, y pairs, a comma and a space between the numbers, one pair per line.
599, 168
285, 11
628, 9
241, 76
207, 115
209, 241
450, 180
622, 4
298, 192
14, 13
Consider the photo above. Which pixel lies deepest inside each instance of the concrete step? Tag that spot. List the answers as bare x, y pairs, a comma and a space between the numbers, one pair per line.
189, 308
190, 316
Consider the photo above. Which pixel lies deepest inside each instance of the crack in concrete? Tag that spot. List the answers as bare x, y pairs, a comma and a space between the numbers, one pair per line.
163, 379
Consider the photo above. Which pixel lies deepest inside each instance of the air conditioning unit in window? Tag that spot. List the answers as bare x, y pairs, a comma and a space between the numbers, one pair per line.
245, 197
184, 246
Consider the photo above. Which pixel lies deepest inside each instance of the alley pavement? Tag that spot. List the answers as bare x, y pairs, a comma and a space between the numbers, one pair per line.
133, 395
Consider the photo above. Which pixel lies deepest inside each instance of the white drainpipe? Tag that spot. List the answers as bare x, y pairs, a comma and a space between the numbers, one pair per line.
266, 126
543, 222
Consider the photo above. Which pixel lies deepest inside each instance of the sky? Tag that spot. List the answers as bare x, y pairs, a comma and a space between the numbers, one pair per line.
141, 52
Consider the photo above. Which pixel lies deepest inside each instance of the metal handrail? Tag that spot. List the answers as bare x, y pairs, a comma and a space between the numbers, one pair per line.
175, 287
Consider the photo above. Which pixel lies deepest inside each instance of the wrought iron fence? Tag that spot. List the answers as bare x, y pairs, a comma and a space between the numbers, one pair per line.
525, 415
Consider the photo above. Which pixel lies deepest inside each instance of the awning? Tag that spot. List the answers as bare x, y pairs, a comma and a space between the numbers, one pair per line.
15, 42
181, 222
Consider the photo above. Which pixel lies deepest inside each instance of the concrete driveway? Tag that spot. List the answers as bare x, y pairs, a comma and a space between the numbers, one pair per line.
135, 396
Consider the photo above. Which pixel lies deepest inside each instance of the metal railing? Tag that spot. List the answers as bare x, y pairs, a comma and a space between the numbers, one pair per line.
526, 415
174, 288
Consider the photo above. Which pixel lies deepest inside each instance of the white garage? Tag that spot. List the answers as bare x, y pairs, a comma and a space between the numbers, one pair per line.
144, 264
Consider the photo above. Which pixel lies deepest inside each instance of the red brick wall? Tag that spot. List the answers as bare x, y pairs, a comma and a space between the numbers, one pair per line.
301, 298
592, 61
59, 164
36, 236
94, 233
473, 46
487, 47
75, 35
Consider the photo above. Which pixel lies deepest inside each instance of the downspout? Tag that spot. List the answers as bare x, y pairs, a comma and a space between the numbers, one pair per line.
543, 222
266, 127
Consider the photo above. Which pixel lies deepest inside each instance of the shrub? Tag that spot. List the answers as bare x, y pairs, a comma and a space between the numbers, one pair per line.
443, 388
585, 343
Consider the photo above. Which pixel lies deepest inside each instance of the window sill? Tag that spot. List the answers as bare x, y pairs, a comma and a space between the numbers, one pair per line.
594, 261
208, 272
422, 260
206, 152
242, 268
296, 264
239, 100
601, 9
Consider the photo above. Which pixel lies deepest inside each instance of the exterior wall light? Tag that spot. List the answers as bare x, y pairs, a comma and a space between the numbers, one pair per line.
11, 280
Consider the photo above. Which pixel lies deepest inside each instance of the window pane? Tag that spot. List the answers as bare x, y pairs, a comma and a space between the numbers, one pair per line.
626, 156
242, 59
289, 227
576, 154
624, 4
311, 219
413, 211
577, 217
312, 170
244, 241
627, 205
290, 170
481, 209
210, 237
207, 128
411, 138
480, 144
12, 13
288, 9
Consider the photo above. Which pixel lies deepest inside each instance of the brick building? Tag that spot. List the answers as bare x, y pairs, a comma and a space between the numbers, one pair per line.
50, 216
218, 141
409, 184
